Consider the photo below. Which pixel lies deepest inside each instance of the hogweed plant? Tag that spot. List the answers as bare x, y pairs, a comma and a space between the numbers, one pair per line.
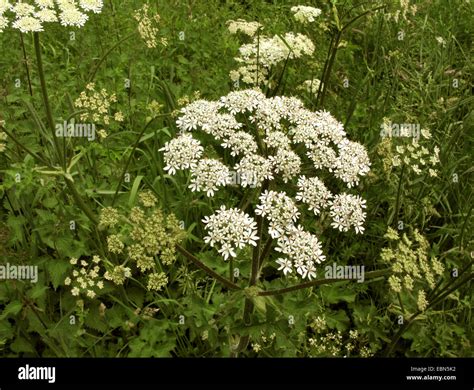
140, 246
284, 156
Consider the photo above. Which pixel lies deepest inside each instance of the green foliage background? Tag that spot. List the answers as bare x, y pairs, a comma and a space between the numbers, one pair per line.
408, 81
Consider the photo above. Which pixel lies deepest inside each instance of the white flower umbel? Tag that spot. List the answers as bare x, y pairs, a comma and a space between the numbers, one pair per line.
348, 211
314, 193
253, 170
352, 162
303, 251
242, 26
270, 52
181, 153
240, 143
305, 14
286, 162
208, 175
280, 210
29, 16
229, 230
270, 145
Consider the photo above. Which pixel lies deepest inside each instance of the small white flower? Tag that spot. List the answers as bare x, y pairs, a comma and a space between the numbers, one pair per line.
347, 211
28, 24
182, 152
305, 14
285, 265
230, 229
208, 175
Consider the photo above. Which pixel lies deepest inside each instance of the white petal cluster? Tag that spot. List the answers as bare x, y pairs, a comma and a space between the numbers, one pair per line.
302, 250
305, 14
240, 143
28, 24
322, 156
242, 26
280, 211
246, 100
314, 193
287, 163
352, 162
230, 229
276, 142
29, 16
270, 52
253, 169
310, 86
208, 175
205, 115
182, 152
347, 211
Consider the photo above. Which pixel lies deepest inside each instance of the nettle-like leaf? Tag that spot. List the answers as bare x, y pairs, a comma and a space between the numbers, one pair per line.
57, 270
154, 340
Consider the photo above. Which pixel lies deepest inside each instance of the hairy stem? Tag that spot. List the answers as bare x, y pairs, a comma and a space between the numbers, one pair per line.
319, 282
44, 93
206, 269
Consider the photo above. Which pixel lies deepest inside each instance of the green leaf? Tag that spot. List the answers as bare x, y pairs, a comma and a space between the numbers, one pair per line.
12, 309
57, 271
335, 294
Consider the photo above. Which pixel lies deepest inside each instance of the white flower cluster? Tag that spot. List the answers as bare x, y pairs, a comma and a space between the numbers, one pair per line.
209, 175
232, 229
86, 280
412, 152
262, 136
280, 210
417, 157
310, 86
347, 211
303, 251
182, 153
314, 193
305, 14
270, 51
30, 16
351, 163
240, 25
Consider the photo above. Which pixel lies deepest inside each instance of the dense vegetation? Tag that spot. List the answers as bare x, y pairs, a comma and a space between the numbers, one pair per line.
122, 222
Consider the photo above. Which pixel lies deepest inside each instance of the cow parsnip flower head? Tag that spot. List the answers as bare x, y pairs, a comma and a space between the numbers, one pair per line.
414, 270
148, 26
270, 51
30, 16
310, 86
274, 142
85, 278
143, 240
408, 148
97, 105
244, 27
305, 14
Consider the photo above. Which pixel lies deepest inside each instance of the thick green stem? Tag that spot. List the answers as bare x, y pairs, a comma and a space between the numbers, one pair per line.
80, 202
319, 282
27, 68
49, 117
206, 269
248, 304
399, 192
44, 93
